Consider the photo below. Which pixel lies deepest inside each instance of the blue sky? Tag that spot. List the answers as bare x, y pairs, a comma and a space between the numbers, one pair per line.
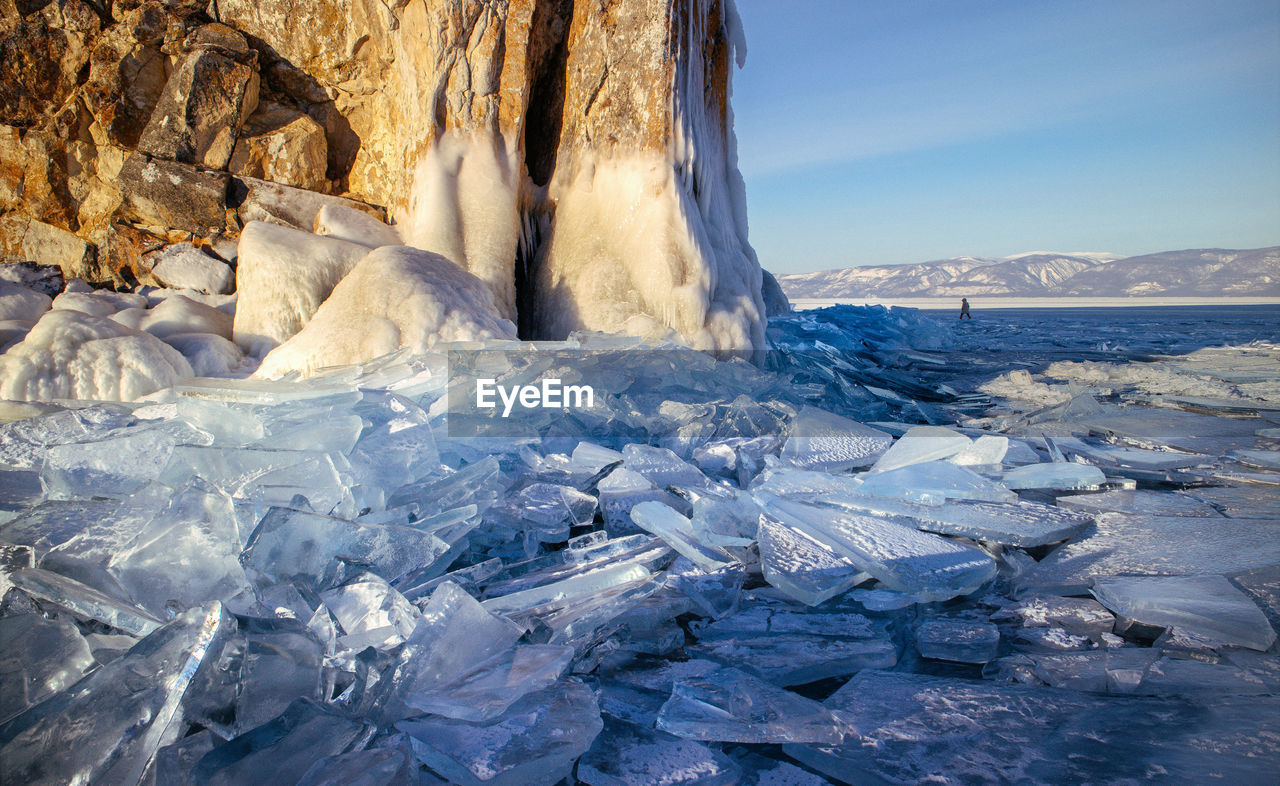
894, 131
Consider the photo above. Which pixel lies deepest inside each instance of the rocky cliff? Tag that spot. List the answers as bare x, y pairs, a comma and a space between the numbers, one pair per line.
577, 157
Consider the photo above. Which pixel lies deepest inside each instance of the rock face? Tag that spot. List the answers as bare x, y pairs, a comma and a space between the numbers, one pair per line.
578, 158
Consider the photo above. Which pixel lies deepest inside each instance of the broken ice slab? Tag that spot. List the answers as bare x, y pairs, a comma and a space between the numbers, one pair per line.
1121, 544
281, 749
621, 490
713, 594
824, 441
961, 641
791, 647
923, 444
1117, 671
546, 511
1136, 458
107, 727
803, 568
479, 484
1079, 616
903, 558
910, 728
1206, 605
663, 467
186, 555
117, 466
38, 658
1144, 501
84, 601
23, 443
678, 533
289, 544
19, 490
278, 667
627, 755
1268, 459
1022, 524
368, 609
729, 705
1170, 428
486, 691
1062, 476
54, 522
453, 634
879, 599
380, 766
536, 741
593, 458
932, 483
1241, 502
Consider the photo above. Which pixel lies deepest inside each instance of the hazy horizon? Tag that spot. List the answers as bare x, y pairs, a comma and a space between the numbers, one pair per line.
889, 134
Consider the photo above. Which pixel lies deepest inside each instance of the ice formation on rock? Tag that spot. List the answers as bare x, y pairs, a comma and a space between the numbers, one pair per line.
283, 275
395, 297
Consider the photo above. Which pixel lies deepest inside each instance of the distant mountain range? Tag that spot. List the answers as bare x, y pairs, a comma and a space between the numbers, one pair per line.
1212, 272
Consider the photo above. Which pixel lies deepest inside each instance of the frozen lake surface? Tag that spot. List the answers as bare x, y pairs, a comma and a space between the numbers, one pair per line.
1035, 546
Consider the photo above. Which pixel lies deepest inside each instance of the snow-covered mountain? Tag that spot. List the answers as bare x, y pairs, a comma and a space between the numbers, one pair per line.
1196, 272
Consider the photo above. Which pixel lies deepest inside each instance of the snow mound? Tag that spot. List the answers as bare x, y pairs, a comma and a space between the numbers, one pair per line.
21, 303
176, 314
282, 277
395, 297
209, 355
97, 302
355, 226
70, 354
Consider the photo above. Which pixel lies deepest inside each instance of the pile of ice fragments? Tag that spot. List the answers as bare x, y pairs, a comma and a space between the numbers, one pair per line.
722, 574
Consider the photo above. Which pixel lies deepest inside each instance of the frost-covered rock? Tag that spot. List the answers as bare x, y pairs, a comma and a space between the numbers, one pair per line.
183, 266
395, 297
176, 314
355, 226
282, 277
70, 354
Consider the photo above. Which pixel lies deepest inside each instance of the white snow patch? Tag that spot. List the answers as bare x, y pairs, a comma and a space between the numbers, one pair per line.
282, 277
395, 297
97, 302
70, 354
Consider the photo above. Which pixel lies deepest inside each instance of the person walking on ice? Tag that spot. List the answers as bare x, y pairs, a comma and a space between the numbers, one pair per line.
964, 308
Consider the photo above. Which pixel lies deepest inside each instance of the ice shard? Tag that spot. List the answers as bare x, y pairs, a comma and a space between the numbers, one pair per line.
283, 748
84, 601
486, 691
536, 741
291, 543
1143, 501
804, 568
824, 441
38, 658
107, 727
678, 533
454, 634
963, 641
370, 610
1208, 606
729, 705
628, 755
